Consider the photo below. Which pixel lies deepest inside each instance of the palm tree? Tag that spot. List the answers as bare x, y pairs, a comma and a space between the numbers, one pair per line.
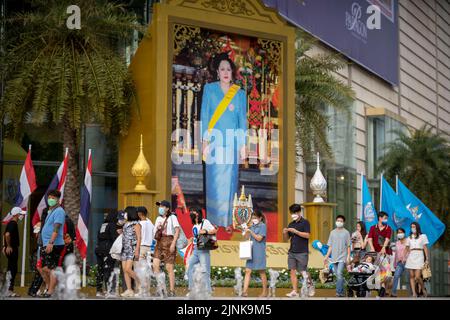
421, 159
316, 86
61, 77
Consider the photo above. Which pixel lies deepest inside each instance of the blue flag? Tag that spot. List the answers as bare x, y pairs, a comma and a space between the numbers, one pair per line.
368, 214
399, 216
429, 223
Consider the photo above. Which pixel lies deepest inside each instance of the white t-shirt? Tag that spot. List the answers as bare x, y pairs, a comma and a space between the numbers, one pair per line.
146, 232
418, 243
172, 223
196, 229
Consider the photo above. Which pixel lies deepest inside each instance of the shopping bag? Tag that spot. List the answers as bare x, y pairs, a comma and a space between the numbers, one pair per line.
116, 248
245, 250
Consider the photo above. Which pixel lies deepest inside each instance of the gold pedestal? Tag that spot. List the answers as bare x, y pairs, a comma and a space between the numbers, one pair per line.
141, 198
320, 217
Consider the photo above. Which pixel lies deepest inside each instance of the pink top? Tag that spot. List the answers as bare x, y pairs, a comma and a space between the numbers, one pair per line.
400, 252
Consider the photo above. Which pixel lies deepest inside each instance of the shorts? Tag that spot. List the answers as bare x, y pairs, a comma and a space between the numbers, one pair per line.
162, 250
50, 260
143, 252
297, 261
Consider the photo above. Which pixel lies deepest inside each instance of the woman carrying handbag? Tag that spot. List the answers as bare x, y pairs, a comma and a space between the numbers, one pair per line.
204, 241
418, 258
257, 234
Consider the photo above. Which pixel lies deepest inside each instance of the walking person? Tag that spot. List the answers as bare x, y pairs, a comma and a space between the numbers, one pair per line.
146, 232
52, 240
11, 245
378, 241
167, 231
201, 226
401, 254
131, 243
359, 241
298, 232
417, 257
105, 239
257, 233
339, 249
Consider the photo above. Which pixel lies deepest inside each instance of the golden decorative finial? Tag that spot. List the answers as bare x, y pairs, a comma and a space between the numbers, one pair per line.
140, 169
242, 197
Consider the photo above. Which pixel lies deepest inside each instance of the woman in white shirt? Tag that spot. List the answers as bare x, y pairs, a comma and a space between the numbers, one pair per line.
200, 257
146, 233
417, 257
168, 227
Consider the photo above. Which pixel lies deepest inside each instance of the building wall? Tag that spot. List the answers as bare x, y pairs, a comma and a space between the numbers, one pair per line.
423, 95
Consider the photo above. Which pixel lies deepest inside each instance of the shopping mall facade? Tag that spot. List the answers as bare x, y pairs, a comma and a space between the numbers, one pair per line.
405, 86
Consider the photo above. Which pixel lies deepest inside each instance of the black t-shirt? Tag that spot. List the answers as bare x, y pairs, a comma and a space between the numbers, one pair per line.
13, 230
299, 244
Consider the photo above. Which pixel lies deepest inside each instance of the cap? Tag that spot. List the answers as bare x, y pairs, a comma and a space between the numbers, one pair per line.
164, 203
17, 210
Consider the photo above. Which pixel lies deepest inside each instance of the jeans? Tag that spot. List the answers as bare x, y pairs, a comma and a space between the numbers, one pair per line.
339, 267
203, 257
397, 276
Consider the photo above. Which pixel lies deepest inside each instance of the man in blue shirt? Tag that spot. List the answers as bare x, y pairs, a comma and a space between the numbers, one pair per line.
52, 240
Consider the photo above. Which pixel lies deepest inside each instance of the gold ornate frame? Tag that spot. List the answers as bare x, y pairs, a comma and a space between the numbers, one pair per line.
152, 72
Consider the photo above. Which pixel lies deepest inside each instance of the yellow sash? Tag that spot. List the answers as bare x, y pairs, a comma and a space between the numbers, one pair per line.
221, 107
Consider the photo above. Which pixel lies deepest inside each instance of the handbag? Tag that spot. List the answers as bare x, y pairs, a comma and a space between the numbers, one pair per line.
426, 271
206, 241
245, 250
116, 248
159, 232
182, 241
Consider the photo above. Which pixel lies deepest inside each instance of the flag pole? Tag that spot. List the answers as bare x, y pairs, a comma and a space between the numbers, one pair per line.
362, 209
84, 273
381, 191
24, 242
396, 183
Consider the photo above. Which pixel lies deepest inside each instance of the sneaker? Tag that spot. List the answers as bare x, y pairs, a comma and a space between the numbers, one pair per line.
127, 294
171, 294
99, 294
292, 294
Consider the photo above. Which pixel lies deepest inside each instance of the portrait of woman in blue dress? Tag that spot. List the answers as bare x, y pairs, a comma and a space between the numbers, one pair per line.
223, 127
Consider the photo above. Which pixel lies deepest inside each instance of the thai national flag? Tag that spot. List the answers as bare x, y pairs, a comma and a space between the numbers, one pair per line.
58, 183
27, 185
83, 219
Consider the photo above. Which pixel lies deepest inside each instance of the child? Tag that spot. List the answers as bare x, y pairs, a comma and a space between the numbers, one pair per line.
365, 267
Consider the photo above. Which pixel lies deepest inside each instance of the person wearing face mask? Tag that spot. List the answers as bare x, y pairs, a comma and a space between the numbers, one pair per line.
339, 249
166, 233
401, 254
202, 257
418, 256
378, 241
11, 245
298, 232
52, 240
257, 233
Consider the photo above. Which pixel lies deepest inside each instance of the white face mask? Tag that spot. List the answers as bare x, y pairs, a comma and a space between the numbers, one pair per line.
21, 217
339, 224
400, 236
413, 230
255, 221
294, 216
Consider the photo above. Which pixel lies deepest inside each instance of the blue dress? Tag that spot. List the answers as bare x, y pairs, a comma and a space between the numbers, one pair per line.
222, 166
258, 261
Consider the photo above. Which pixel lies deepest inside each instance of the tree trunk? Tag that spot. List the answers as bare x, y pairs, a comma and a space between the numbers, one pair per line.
72, 187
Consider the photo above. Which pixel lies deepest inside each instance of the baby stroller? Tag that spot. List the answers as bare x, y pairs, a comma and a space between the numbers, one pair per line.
361, 283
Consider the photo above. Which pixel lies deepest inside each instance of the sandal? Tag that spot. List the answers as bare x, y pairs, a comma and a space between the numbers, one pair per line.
46, 295
244, 294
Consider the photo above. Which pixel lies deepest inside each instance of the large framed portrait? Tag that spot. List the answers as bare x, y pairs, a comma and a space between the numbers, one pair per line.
225, 126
